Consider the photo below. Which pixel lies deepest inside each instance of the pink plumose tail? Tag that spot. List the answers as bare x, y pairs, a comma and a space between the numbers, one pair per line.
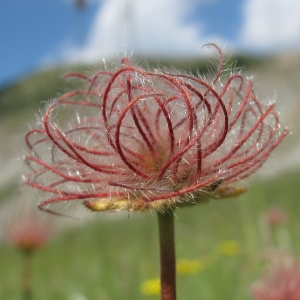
26, 229
281, 280
134, 136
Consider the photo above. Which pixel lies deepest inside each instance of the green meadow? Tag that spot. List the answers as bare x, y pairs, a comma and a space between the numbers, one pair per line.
111, 255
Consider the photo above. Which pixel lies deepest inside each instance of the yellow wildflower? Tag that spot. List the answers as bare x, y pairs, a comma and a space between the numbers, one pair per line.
150, 287
185, 266
229, 248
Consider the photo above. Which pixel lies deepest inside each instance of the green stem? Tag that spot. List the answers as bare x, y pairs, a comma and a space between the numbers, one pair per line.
26, 285
167, 256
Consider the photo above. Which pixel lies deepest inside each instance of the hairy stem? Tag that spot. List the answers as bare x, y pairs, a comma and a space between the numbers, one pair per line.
167, 256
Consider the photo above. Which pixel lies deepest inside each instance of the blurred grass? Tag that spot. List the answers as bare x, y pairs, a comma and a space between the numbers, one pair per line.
109, 257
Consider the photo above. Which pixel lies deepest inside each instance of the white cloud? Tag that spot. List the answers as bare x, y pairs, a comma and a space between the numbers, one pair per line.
271, 25
151, 27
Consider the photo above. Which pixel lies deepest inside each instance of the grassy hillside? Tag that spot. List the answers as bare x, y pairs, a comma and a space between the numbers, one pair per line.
30, 92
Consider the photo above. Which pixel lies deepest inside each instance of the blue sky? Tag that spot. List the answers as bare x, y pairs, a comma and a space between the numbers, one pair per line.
37, 33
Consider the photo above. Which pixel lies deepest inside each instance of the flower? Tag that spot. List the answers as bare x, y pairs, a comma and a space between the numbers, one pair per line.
150, 287
229, 248
139, 139
281, 280
275, 216
26, 229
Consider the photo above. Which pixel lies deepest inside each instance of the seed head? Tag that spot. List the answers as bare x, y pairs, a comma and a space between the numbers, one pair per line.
281, 280
140, 139
26, 229
275, 216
